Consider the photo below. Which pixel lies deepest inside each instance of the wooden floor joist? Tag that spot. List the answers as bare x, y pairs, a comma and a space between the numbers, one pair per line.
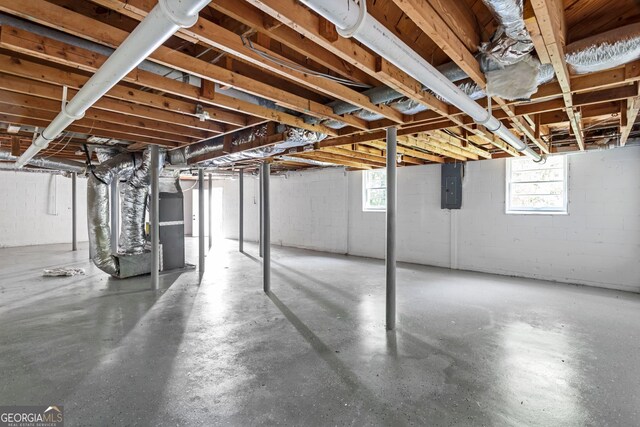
278, 56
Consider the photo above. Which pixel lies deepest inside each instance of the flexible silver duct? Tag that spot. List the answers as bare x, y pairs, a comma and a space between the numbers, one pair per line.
118, 167
55, 163
134, 194
511, 42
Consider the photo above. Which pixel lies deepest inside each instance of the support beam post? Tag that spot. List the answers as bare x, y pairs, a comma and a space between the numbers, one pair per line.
154, 216
210, 212
114, 204
266, 230
391, 227
201, 221
74, 213
241, 210
260, 184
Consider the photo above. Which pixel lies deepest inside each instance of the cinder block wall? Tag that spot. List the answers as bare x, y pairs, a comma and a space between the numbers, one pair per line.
35, 209
597, 244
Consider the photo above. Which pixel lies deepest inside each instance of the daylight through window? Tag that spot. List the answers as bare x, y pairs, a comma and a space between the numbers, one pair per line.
537, 188
374, 190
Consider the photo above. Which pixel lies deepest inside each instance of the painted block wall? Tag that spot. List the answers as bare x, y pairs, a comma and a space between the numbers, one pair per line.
597, 244
35, 209
297, 219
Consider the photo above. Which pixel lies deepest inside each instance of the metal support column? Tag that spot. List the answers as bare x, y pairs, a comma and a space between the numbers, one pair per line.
260, 184
210, 210
241, 210
154, 216
201, 220
266, 230
391, 227
114, 204
74, 213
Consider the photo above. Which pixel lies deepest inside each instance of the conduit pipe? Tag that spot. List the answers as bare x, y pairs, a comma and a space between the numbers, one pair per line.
54, 163
352, 20
161, 23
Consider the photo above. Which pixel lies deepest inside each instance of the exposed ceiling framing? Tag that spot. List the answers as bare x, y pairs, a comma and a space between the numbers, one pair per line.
281, 52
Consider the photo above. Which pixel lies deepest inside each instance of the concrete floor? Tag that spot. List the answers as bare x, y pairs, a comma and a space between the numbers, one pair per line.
470, 348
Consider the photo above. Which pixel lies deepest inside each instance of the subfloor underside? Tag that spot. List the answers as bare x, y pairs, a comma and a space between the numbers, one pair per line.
470, 348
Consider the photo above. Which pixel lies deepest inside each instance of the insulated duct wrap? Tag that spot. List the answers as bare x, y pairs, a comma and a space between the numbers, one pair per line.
511, 42
54, 163
118, 167
604, 51
293, 137
134, 194
249, 135
515, 82
10, 167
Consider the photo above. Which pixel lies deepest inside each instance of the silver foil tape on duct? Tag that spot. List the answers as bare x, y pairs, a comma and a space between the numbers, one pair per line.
134, 194
118, 167
54, 163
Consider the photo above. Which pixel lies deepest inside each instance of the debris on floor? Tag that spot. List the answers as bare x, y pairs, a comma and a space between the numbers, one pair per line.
64, 271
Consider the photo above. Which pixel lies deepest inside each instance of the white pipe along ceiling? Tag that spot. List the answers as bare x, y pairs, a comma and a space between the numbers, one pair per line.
352, 20
161, 23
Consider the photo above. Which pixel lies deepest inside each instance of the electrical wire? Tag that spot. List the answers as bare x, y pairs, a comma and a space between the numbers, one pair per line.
296, 67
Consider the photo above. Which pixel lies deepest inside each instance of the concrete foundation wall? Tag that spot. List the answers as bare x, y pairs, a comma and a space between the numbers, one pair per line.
597, 244
35, 209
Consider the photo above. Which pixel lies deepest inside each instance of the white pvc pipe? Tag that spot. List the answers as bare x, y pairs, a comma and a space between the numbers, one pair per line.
161, 23
352, 20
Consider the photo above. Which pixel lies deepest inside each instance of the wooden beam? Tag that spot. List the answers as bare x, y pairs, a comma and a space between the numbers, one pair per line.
91, 126
220, 38
407, 151
163, 107
550, 18
61, 53
630, 115
428, 20
77, 24
15, 146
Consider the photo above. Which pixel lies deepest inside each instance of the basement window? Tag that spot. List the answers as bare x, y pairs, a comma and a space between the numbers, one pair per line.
535, 188
374, 190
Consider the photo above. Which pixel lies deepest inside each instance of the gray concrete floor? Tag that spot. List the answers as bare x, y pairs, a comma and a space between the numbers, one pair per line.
470, 348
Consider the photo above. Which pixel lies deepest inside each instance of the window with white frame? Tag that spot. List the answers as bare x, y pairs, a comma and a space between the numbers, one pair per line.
374, 190
537, 188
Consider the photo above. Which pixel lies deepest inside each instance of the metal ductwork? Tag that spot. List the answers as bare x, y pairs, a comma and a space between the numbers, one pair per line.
133, 206
161, 23
293, 137
352, 20
54, 163
134, 172
100, 178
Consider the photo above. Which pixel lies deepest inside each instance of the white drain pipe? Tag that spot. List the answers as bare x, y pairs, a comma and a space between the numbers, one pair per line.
161, 23
352, 20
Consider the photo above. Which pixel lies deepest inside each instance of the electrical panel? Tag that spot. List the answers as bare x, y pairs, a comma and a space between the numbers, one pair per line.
451, 185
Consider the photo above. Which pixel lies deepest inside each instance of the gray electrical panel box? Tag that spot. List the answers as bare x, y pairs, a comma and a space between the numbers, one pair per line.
171, 213
451, 193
